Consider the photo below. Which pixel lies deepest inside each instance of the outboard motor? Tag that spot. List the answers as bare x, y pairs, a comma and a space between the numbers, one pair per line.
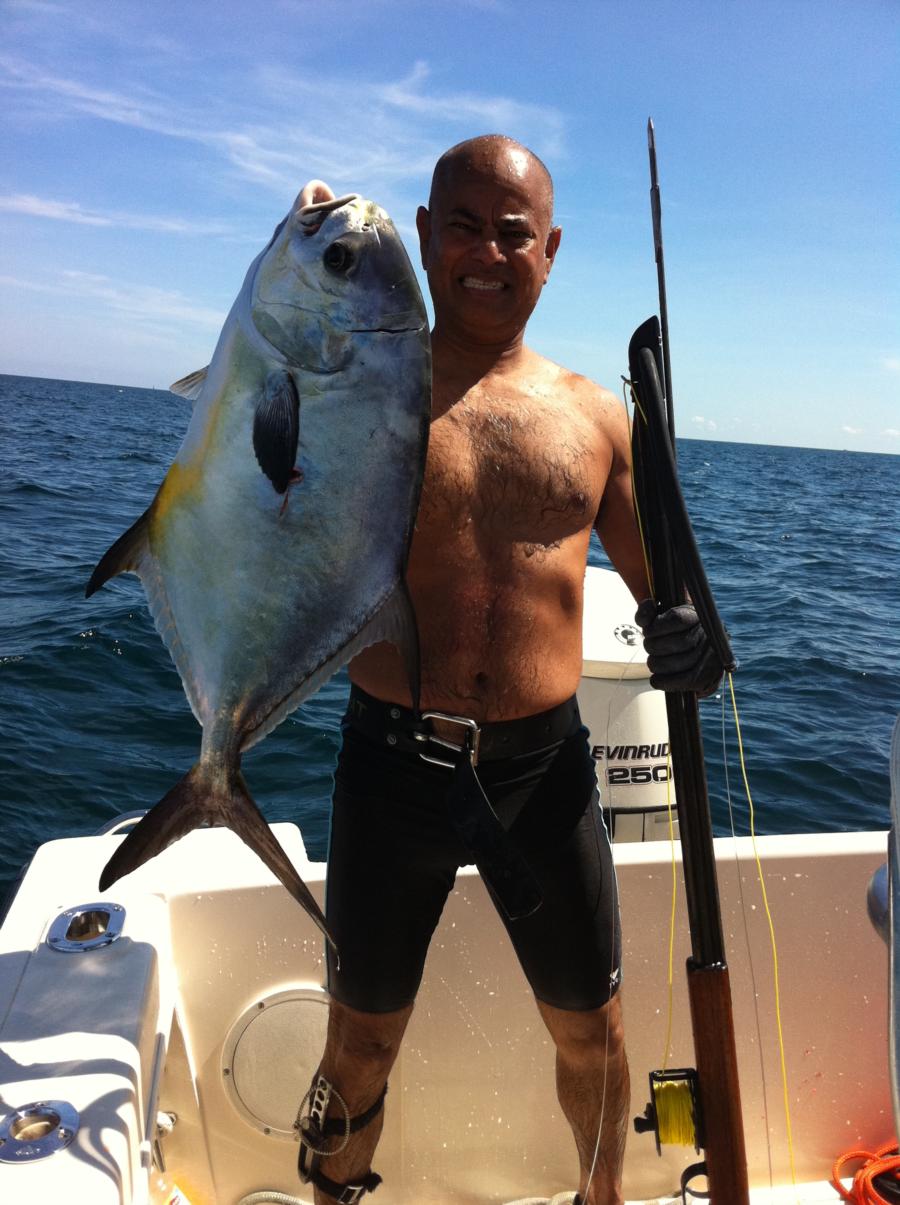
625, 715
878, 901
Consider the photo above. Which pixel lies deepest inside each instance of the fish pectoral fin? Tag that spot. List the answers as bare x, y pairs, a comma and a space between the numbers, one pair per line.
276, 429
200, 799
124, 556
190, 386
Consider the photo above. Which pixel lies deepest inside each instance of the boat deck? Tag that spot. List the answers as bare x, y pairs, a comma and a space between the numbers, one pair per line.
212, 1007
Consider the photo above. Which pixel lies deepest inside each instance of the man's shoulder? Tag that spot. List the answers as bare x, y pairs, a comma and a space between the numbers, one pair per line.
576, 386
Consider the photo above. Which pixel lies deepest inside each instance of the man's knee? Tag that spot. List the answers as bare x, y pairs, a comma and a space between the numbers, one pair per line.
586, 1037
364, 1043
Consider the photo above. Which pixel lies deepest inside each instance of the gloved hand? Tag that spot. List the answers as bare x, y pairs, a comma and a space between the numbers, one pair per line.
679, 654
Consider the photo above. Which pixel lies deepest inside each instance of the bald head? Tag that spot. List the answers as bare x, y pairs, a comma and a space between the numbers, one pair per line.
498, 157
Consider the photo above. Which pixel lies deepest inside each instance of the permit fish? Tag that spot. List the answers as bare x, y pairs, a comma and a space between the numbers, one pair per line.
275, 548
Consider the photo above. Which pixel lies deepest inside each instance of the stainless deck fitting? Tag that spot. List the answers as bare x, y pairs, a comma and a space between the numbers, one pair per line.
37, 1131
86, 927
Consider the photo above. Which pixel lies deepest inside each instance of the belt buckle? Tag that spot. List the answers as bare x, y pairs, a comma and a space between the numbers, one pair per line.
470, 742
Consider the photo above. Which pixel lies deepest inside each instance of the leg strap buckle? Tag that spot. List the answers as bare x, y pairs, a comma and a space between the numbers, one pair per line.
346, 1194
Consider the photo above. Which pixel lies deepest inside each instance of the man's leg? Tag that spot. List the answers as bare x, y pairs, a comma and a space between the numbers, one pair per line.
359, 1054
392, 860
593, 1088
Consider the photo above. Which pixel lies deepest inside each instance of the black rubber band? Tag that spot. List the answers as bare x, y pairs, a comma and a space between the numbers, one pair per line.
334, 1126
689, 1173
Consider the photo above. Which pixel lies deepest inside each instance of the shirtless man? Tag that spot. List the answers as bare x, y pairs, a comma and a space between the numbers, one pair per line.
524, 460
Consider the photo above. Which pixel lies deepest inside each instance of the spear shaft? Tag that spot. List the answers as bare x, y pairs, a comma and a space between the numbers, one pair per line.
658, 255
677, 572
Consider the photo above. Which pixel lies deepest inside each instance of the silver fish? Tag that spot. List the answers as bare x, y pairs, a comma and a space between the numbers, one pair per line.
276, 546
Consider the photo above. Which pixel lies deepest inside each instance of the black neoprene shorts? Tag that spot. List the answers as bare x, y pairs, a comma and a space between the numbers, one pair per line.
393, 856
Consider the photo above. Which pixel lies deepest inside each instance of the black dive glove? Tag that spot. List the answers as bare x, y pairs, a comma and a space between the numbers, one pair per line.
679, 654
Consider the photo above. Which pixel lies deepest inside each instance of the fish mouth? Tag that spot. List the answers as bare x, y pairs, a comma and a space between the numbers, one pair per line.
386, 330
311, 217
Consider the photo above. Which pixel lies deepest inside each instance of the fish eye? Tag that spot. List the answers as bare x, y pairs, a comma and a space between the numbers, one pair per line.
338, 257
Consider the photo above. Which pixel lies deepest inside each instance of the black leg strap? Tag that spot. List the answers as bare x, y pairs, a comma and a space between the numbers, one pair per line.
316, 1129
345, 1194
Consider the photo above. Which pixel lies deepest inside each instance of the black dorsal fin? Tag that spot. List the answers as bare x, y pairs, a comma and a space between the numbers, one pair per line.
276, 429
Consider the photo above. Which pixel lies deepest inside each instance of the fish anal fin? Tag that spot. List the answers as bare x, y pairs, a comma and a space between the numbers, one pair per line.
200, 798
395, 621
276, 429
124, 556
191, 386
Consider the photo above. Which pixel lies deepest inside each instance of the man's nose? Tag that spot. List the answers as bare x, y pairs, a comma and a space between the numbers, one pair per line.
488, 251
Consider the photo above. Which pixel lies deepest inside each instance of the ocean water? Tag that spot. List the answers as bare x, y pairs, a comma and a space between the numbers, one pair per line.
801, 547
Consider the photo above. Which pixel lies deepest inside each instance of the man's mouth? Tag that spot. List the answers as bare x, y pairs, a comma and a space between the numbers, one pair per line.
485, 286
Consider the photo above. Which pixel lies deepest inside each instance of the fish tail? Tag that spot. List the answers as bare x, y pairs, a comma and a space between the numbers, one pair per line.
203, 798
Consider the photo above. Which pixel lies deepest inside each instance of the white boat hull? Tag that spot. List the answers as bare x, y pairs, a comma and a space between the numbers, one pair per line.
212, 944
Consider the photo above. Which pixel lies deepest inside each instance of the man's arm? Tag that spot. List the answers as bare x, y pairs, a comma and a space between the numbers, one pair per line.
616, 524
679, 654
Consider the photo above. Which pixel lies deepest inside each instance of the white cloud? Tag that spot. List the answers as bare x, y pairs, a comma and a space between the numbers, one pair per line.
62, 211
853, 430
143, 301
70, 211
307, 123
35, 6
132, 302
147, 112
706, 424
891, 432
891, 363
496, 113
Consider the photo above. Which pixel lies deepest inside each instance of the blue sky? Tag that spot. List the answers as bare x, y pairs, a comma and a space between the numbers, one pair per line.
149, 149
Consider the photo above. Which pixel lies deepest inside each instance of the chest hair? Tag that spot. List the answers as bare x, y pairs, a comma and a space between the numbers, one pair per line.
526, 473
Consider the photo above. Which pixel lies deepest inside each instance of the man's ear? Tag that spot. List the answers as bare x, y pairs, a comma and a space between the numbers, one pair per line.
553, 239
423, 225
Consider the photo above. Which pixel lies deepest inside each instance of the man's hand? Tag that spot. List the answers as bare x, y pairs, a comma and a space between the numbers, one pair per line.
314, 193
679, 654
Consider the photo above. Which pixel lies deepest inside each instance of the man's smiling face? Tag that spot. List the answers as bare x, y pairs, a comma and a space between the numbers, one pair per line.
487, 242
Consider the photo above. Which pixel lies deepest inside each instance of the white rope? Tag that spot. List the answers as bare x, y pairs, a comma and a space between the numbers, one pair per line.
269, 1196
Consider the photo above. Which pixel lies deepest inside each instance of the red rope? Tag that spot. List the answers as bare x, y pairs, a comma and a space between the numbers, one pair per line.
884, 1161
